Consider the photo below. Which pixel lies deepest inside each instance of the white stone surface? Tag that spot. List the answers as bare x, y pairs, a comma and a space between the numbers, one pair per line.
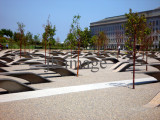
69, 89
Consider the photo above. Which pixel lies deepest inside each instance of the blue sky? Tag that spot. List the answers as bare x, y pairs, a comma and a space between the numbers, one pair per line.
34, 13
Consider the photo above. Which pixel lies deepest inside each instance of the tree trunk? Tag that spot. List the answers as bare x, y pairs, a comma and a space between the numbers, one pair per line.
78, 58
20, 44
134, 55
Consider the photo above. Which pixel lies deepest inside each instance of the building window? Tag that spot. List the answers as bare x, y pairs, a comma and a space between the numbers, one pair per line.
156, 22
153, 23
153, 29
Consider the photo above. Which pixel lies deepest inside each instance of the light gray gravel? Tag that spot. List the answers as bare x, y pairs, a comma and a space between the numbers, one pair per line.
118, 103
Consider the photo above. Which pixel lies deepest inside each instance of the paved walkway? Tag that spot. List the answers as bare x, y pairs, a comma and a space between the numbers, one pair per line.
71, 89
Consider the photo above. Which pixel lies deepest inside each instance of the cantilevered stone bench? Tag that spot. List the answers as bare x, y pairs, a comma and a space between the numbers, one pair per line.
115, 66
33, 63
58, 58
114, 60
157, 58
8, 51
13, 86
100, 56
155, 102
131, 57
61, 53
38, 55
2, 64
23, 59
3, 70
58, 62
141, 61
65, 57
8, 54
63, 71
82, 66
88, 54
15, 62
93, 58
152, 55
60, 70
26, 55
123, 67
74, 56
156, 65
62, 59
105, 54
19, 61
7, 59
34, 51
54, 53
31, 77
155, 74
124, 56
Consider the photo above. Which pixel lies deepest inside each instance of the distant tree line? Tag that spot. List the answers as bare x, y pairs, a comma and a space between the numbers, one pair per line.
76, 35
19, 39
14, 39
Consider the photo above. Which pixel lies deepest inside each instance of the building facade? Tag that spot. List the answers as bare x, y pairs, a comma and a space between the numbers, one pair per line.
114, 30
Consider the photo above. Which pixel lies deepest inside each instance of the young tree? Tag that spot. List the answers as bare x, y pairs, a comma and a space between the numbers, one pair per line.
146, 40
58, 42
1, 33
70, 41
102, 40
51, 39
29, 37
21, 30
118, 38
158, 33
7, 35
93, 41
76, 31
25, 42
3, 40
134, 27
36, 40
86, 37
6, 32
48, 36
16, 38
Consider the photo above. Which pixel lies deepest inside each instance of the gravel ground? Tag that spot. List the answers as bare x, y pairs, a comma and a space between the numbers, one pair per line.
118, 103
